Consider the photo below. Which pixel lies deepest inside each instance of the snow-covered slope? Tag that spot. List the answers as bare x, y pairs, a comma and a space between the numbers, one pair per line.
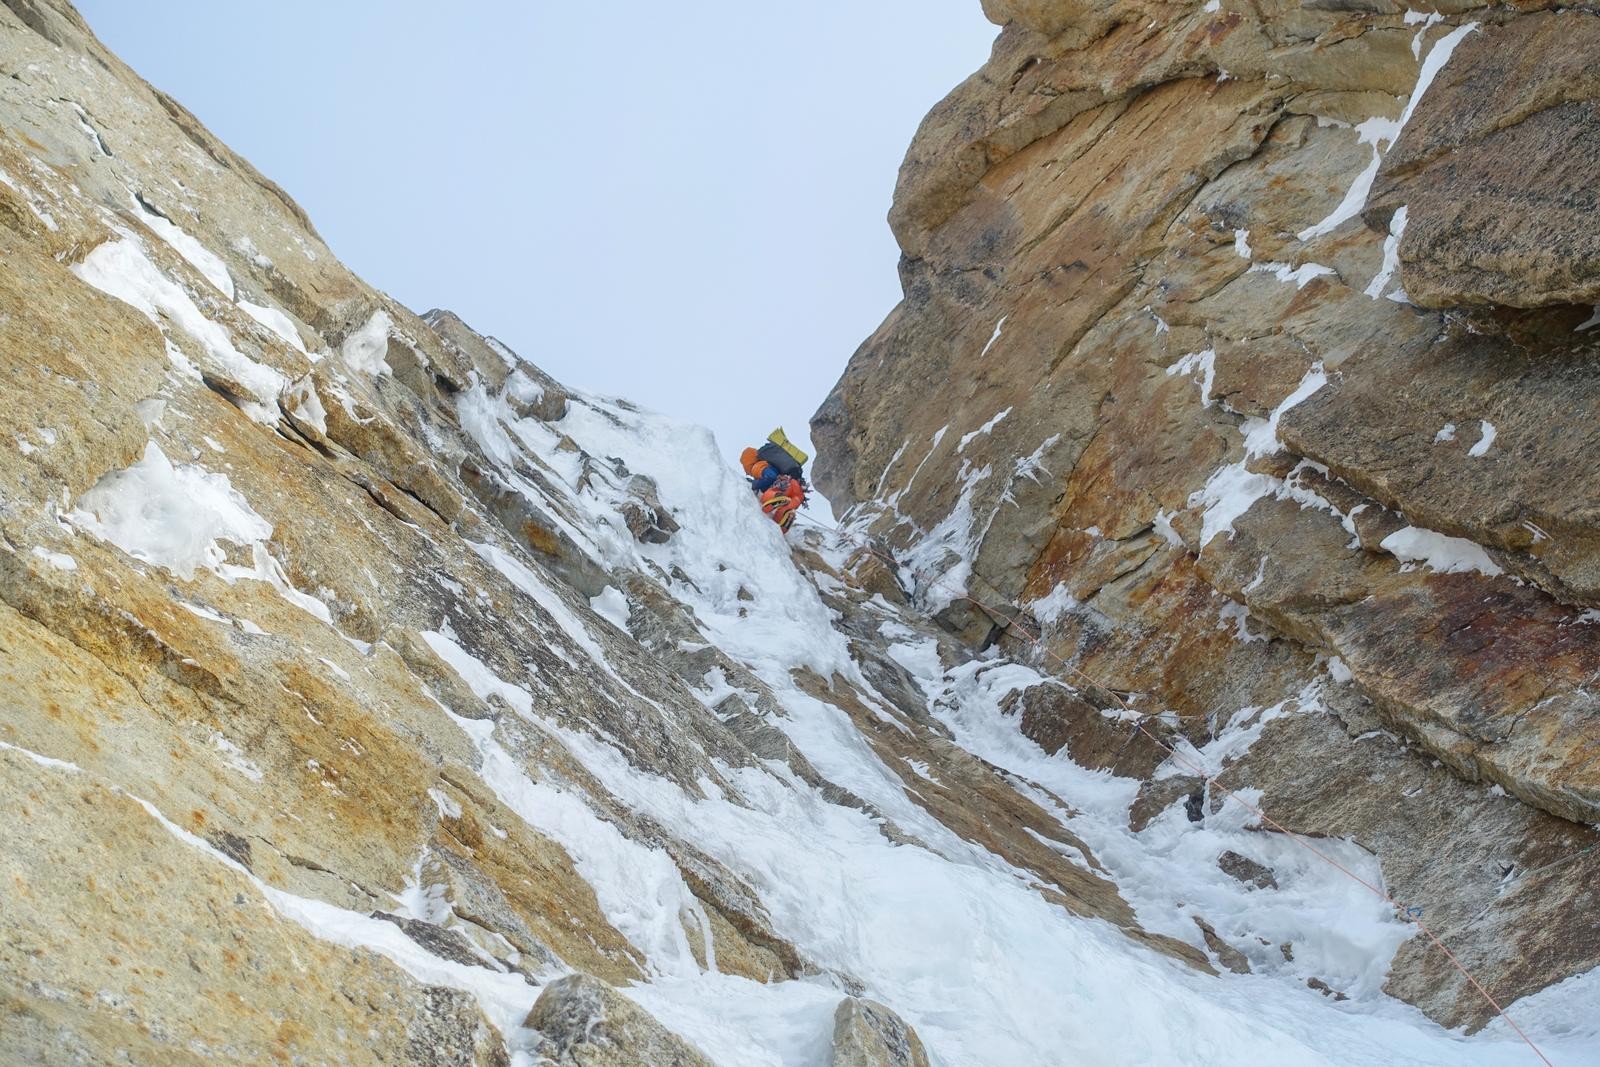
361, 685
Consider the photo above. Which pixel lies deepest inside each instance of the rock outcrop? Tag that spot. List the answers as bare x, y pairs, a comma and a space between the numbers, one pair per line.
1267, 380
867, 1034
586, 1023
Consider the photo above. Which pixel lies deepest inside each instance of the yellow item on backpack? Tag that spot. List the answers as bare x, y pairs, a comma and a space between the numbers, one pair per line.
778, 438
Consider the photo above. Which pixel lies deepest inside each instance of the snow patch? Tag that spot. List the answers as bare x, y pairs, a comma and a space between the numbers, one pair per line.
1486, 436
121, 269
611, 604
275, 321
364, 350
208, 263
995, 337
1391, 253
1439, 552
1206, 364
982, 430
172, 517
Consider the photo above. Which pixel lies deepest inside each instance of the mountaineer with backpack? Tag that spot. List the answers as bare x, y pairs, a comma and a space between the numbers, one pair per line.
776, 477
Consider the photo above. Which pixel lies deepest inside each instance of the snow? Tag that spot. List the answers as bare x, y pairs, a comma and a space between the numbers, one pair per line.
1241, 243
1206, 364
982, 430
1261, 438
1439, 552
1391, 254
173, 517
365, 349
1213, 6
59, 560
1054, 604
1589, 323
276, 321
178, 517
611, 604
1376, 130
1228, 494
302, 401
121, 269
234, 757
995, 337
1447, 432
1301, 276
201, 258
1355, 198
483, 682
1486, 435
1426, 18
962, 943
1438, 56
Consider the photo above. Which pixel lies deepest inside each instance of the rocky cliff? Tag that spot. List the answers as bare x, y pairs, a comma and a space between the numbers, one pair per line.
368, 696
1266, 349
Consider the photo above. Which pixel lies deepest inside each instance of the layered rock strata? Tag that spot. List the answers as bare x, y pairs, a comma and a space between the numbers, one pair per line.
1266, 347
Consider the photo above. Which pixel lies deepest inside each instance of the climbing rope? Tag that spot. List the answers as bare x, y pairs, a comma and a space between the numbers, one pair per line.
1411, 914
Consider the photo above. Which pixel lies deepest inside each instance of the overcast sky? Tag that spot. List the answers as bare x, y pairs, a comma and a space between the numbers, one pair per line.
680, 203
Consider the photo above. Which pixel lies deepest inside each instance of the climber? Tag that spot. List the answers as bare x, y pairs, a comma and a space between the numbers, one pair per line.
776, 477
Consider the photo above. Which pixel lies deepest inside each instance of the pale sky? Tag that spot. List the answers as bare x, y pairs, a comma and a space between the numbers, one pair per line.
680, 203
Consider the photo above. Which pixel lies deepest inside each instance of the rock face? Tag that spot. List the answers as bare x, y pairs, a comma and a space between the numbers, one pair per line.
1497, 170
367, 696
361, 681
1203, 433
586, 1023
867, 1034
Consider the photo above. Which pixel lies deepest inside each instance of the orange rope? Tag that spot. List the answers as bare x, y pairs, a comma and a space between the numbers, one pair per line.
1209, 780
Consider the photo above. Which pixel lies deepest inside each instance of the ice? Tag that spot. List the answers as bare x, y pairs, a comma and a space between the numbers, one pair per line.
201, 258
121, 269
1486, 435
365, 349
1439, 552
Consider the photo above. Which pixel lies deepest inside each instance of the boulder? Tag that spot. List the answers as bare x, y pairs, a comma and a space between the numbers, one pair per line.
583, 1022
867, 1034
